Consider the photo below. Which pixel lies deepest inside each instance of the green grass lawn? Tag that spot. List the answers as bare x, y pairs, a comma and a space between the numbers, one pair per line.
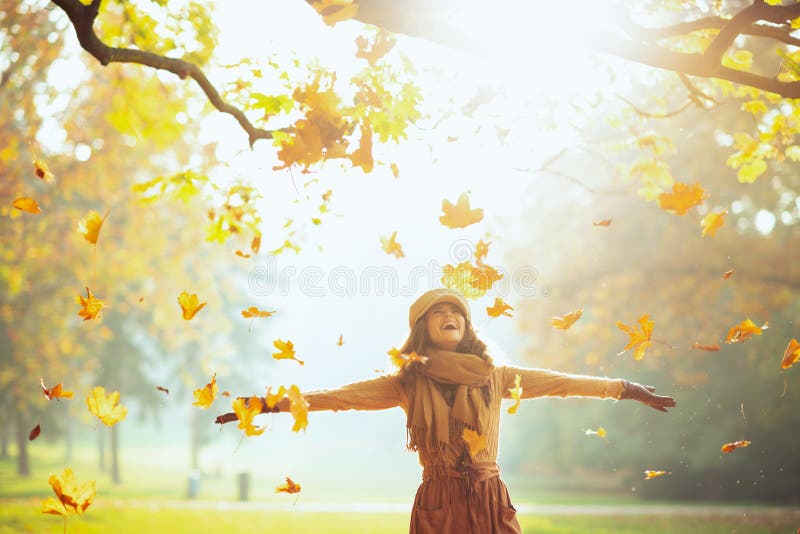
122, 518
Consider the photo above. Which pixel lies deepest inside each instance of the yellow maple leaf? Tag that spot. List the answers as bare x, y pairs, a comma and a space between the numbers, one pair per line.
246, 409
462, 278
205, 395
792, 354
744, 330
190, 305
484, 276
298, 407
459, 215
713, 222
27, 204
639, 338
42, 171
499, 308
252, 311
106, 407
334, 11
91, 307
682, 197
481, 250
400, 360
362, 156
72, 498
89, 227
568, 319
373, 50
391, 246
285, 351
516, 394
272, 398
56, 392
653, 474
289, 487
476, 442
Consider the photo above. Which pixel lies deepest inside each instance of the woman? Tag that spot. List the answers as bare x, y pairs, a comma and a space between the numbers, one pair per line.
454, 386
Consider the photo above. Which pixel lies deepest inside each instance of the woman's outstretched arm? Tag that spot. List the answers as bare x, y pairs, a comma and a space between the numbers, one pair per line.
543, 382
377, 394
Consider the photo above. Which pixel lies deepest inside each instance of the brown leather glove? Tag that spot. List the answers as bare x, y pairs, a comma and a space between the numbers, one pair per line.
644, 394
231, 416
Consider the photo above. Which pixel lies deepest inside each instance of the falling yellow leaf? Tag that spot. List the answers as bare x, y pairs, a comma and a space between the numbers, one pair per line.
72, 498
638, 338
246, 409
252, 311
499, 308
604, 222
42, 171
242, 254
476, 442
106, 407
459, 215
395, 170
744, 330
400, 360
89, 227
205, 395
285, 351
190, 305
56, 392
91, 307
682, 198
340, 342
653, 474
791, 355
481, 250
600, 432
298, 407
565, 321
272, 399
730, 447
391, 246
27, 204
516, 394
362, 157
334, 11
728, 274
255, 244
713, 222
484, 276
289, 487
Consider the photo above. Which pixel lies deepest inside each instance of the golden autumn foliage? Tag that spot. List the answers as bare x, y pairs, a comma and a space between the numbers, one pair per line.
298, 407
791, 355
730, 447
481, 250
713, 222
472, 281
106, 407
71, 497
391, 246
290, 487
499, 308
285, 351
565, 321
27, 204
373, 50
476, 442
655, 474
516, 394
42, 171
639, 338
190, 305
91, 306
459, 215
56, 392
682, 198
89, 227
334, 11
272, 398
744, 330
205, 395
400, 360
246, 409
252, 312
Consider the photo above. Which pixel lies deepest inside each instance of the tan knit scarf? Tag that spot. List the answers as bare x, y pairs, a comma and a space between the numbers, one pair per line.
430, 419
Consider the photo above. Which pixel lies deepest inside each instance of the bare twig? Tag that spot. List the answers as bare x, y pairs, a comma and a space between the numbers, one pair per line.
651, 115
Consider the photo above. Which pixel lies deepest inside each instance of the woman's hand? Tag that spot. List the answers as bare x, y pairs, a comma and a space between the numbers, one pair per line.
644, 394
231, 416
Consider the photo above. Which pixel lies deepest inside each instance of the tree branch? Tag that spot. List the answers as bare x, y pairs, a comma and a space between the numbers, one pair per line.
777, 33
83, 17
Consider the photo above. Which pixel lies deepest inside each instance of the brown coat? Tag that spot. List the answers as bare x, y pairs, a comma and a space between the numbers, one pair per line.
459, 498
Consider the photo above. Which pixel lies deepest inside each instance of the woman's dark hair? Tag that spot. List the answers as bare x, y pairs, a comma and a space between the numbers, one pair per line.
418, 341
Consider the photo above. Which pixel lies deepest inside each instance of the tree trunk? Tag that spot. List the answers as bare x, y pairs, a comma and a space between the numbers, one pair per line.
101, 446
3, 440
23, 465
115, 454
195, 439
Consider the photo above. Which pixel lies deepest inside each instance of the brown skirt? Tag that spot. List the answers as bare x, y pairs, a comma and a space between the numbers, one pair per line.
472, 501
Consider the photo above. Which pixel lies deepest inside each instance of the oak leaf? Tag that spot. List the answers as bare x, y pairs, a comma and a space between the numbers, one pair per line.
27, 204
56, 392
516, 394
744, 330
459, 215
639, 338
499, 308
682, 198
91, 307
713, 222
246, 409
476, 442
290, 487
89, 227
106, 407
73, 498
791, 355
565, 321
730, 447
190, 305
391, 246
298, 407
205, 395
285, 351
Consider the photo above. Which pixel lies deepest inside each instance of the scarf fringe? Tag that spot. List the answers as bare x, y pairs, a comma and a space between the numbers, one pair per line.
419, 438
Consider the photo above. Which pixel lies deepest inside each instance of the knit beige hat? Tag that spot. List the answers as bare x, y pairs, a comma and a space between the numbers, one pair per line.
435, 296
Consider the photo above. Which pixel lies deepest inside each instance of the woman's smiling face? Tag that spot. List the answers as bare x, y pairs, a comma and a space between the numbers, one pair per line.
446, 325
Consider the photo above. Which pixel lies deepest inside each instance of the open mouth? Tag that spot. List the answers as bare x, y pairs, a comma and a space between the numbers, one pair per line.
450, 326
